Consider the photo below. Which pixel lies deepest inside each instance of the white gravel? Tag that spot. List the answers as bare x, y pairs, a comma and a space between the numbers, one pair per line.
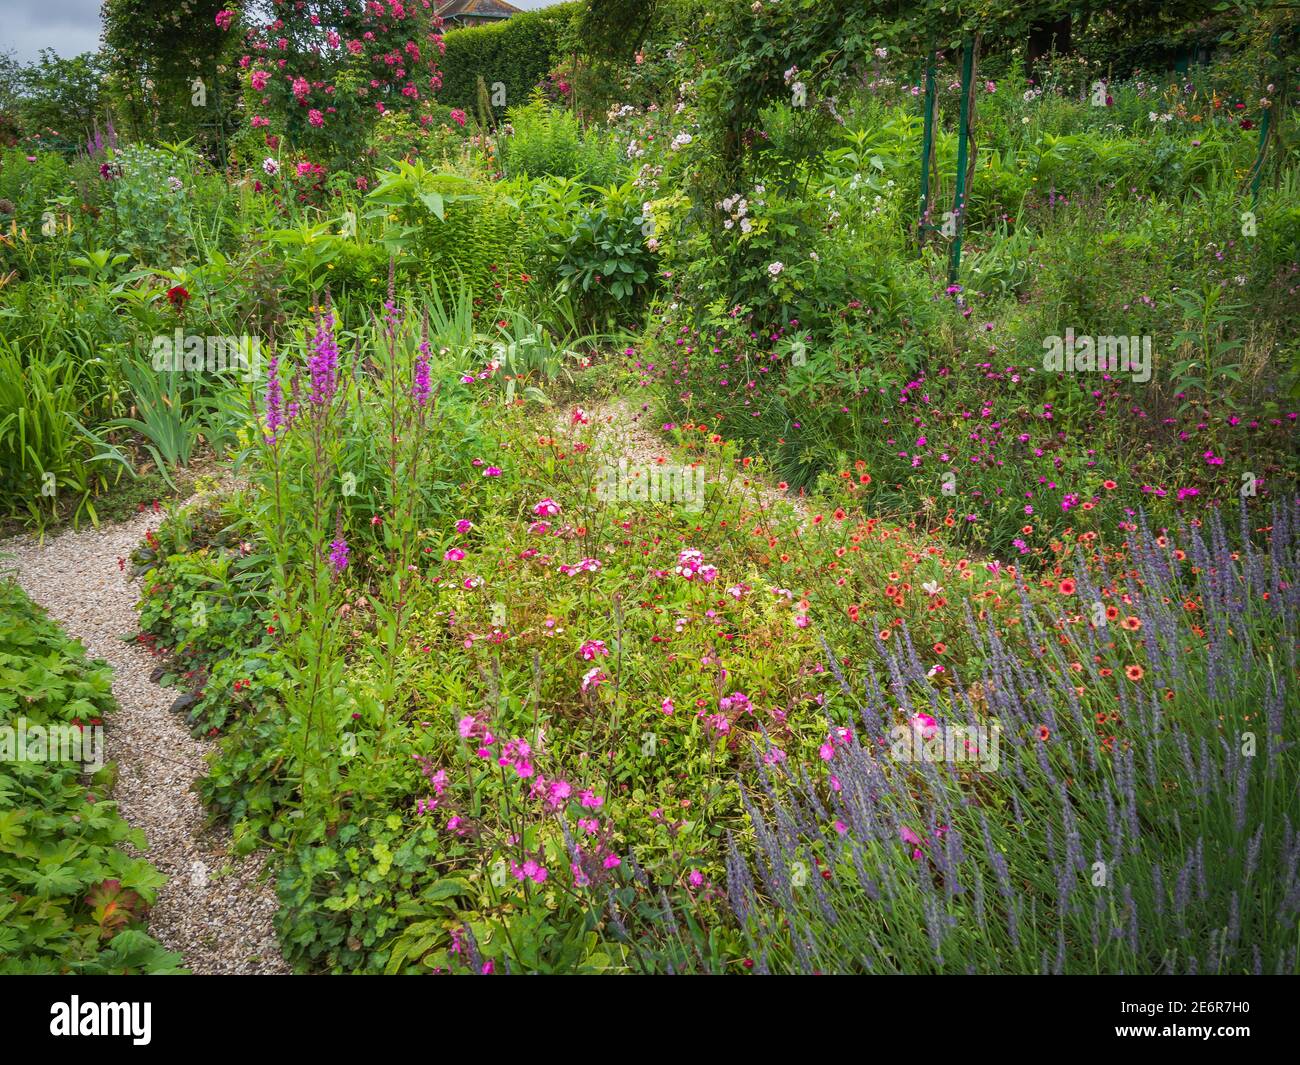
214, 910
622, 430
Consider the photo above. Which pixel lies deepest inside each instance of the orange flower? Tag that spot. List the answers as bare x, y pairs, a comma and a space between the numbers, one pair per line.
1067, 587
1131, 623
1044, 732
940, 648
883, 634
1133, 672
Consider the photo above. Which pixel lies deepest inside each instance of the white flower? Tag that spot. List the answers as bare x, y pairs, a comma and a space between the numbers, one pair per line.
775, 268
175, 184
270, 166
745, 225
681, 141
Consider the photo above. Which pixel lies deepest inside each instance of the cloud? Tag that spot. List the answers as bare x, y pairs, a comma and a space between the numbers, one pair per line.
70, 27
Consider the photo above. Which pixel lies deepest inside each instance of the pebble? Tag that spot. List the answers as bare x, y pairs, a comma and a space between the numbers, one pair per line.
215, 910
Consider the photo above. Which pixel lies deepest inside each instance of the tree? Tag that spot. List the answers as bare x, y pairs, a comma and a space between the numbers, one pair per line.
61, 97
166, 61
615, 29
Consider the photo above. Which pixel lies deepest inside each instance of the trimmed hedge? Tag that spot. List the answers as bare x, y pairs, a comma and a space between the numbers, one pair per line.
518, 53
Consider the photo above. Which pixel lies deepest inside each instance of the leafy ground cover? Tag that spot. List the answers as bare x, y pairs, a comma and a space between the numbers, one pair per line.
73, 899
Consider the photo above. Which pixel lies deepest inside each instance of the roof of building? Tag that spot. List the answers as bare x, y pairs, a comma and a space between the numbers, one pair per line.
479, 9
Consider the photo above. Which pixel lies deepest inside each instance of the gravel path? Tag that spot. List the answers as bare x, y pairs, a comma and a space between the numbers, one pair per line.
214, 910
622, 430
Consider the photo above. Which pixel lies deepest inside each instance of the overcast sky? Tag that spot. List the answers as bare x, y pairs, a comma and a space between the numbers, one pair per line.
71, 27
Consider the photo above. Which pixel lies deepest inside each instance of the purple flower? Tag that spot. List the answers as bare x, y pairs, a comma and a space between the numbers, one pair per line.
339, 555
324, 362
274, 415
420, 390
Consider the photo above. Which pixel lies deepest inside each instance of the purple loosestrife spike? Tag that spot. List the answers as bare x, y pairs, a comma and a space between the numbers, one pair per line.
339, 555
323, 363
420, 389
274, 415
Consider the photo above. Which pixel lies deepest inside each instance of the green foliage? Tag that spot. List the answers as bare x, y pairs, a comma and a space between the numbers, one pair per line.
71, 899
156, 53
546, 141
61, 99
601, 256
43, 458
516, 53
148, 206
449, 229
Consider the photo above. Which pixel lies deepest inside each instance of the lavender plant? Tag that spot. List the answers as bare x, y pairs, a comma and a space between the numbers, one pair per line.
1125, 827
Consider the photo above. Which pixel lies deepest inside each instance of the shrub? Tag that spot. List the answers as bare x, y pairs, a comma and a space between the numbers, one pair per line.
452, 229
546, 141
149, 204
517, 53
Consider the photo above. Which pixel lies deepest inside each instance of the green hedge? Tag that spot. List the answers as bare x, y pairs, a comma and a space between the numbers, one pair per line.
517, 52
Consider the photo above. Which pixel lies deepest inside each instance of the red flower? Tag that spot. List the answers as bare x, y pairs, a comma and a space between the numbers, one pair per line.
177, 296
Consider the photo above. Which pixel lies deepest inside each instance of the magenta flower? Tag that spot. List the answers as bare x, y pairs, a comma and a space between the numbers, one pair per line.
274, 416
420, 389
339, 555
925, 725
323, 363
